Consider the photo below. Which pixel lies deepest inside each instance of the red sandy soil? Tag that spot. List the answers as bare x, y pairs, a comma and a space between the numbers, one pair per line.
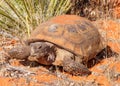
116, 12
104, 73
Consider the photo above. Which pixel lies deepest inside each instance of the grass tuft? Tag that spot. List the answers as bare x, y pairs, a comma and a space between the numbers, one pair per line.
22, 16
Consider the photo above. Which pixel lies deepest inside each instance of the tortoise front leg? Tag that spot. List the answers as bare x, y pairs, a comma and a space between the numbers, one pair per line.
75, 68
20, 52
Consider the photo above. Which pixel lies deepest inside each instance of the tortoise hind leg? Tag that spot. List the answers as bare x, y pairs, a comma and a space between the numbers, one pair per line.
75, 68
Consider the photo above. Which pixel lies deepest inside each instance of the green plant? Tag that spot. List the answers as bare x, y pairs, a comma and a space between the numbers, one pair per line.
22, 16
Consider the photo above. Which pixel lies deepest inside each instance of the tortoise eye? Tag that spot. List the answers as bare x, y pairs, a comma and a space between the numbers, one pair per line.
39, 47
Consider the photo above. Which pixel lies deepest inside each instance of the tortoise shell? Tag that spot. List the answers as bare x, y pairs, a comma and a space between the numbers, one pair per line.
73, 33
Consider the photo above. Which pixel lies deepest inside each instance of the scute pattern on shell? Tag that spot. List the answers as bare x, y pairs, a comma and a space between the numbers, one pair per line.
73, 33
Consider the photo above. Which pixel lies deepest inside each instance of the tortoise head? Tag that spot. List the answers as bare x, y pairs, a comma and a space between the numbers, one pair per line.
42, 52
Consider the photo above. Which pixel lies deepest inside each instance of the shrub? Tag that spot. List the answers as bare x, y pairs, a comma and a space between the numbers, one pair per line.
22, 16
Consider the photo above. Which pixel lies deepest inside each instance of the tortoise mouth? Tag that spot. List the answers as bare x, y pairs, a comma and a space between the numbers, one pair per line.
45, 60
36, 56
32, 58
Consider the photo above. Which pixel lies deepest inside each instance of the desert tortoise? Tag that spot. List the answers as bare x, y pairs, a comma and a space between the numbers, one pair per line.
66, 40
